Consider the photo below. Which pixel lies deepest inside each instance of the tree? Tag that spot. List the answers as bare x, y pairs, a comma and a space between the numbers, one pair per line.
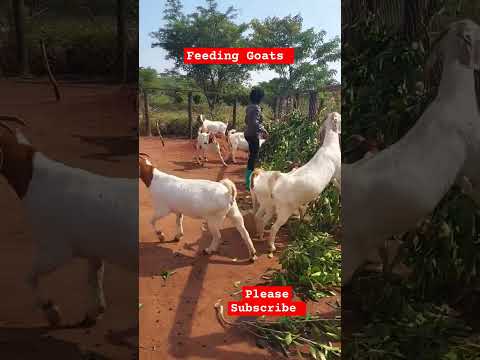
122, 39
206, 27
22, 52
146, 77
312, 52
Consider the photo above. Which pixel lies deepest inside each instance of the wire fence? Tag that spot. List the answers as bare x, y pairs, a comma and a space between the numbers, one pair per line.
178, 114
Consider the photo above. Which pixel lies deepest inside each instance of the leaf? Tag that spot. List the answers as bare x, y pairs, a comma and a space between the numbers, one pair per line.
288, 339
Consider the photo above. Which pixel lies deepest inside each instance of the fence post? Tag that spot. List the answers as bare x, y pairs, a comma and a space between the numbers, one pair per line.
190, 113
146, 113
313, 105
234, 115
277, 107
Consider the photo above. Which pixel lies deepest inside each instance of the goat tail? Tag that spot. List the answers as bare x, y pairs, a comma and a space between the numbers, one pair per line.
253, 175
230, 185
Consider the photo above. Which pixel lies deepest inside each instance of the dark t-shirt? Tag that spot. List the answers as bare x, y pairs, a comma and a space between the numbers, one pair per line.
253, 121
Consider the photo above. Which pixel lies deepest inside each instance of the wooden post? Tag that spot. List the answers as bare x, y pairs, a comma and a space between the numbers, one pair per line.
234, 115
277, 107
313, 105
146, 113
49, 71
190, 113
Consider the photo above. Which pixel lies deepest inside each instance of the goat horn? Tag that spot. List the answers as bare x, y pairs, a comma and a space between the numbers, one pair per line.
143, 154
14, 119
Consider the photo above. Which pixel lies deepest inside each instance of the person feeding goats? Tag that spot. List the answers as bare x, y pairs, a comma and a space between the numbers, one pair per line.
254, 129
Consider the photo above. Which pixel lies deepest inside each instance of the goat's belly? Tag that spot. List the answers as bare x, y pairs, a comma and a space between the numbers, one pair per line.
243, 146
85, 223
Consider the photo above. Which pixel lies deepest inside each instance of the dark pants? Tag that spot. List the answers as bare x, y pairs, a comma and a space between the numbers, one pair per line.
253, 147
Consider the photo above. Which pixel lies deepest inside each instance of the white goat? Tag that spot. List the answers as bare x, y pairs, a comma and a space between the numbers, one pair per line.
237, 141
200, 199
284, 194
215, 127
72, 213
391, 192
207, 142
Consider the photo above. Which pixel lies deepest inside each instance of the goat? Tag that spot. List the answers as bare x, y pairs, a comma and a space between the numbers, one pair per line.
284, 194
211, 201
237, 141
72, 213
215, 127
207, 142
391, 192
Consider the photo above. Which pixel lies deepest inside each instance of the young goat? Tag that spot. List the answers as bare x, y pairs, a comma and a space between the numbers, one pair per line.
72, 214
207, 142
284, 194
237, 141
200, 199
391, 192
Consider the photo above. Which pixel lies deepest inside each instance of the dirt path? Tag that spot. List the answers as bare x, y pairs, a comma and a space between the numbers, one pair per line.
89, 129
177, 318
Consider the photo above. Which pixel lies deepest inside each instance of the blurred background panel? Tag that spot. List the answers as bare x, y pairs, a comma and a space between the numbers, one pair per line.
418, 297
69, 70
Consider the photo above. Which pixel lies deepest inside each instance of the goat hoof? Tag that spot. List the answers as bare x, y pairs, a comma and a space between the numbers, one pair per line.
253, 258
177, 238
161, 236
52, 313
206, 252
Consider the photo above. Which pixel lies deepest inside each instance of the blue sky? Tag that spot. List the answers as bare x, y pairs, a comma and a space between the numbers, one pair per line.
324, 14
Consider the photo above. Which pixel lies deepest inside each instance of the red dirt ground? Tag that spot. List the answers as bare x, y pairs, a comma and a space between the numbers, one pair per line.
177, 319
85, 130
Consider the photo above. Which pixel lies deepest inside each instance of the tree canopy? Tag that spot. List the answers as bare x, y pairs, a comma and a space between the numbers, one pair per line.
207, 26
312, 51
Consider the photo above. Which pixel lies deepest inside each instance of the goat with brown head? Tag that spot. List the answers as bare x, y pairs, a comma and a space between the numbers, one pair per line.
145, 168
15, 158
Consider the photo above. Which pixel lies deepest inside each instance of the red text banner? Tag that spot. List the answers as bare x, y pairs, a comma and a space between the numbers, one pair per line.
266, 300
236, 56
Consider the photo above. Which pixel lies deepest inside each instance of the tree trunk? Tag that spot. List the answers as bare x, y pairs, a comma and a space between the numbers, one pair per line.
313, 105
22, 52
146, 113
234, 115
190, 114
296, 104
277, 108
122, 39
